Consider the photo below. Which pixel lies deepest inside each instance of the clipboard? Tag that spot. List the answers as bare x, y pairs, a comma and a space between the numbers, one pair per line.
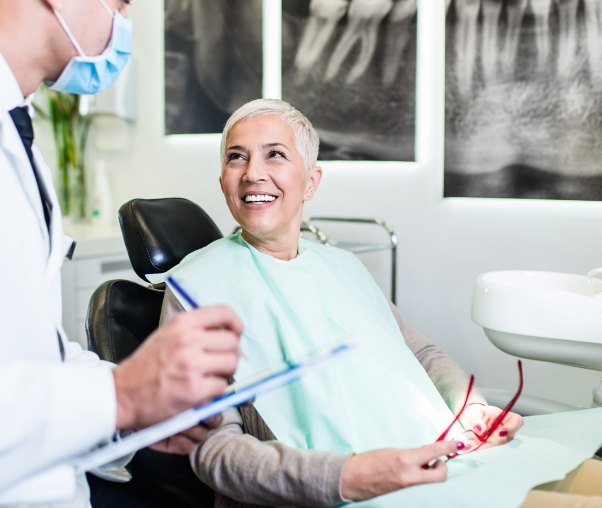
237, 394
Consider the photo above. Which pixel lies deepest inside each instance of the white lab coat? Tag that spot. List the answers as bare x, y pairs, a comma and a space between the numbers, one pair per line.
50, 411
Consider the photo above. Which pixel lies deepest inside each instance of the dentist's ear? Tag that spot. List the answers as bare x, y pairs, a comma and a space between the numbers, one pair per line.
313, 182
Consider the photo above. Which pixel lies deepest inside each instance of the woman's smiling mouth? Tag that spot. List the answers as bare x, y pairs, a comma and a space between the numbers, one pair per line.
258, 198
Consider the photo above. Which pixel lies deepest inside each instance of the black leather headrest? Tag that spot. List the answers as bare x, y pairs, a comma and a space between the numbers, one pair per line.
159, 233
121, 314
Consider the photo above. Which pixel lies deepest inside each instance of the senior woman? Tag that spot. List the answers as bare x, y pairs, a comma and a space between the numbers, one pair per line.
365, 424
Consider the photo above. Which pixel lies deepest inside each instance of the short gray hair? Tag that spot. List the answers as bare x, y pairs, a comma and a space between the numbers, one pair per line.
306, 138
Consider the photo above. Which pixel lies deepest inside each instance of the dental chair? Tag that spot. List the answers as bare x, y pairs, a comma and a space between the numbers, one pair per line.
157, 233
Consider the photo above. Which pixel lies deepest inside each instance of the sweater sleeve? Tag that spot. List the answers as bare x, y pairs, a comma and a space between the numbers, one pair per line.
446, 374
170, 306
267, 472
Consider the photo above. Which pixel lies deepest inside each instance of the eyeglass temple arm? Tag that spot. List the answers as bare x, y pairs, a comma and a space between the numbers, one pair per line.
455, 420
500, 418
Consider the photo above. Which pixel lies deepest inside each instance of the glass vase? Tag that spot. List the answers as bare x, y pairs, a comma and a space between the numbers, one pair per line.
70, 130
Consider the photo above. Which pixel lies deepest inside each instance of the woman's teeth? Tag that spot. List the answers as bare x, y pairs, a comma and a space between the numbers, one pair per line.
259, 198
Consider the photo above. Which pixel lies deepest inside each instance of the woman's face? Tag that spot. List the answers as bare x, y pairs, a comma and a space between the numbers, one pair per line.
264, 182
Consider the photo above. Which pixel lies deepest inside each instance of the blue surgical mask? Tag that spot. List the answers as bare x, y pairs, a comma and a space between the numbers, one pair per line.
92, 74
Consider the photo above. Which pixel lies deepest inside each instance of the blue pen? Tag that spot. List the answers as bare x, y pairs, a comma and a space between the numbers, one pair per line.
182, 292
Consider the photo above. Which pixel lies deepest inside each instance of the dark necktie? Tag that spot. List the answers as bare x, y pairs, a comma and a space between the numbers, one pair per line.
22, 122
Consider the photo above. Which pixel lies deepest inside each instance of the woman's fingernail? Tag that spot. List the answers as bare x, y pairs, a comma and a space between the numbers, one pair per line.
460, 445
477, 428
503, 433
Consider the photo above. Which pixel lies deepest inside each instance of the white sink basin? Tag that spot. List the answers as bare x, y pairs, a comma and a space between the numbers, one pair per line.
554, 317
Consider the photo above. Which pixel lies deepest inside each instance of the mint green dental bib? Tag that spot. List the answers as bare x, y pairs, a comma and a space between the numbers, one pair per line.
376, 396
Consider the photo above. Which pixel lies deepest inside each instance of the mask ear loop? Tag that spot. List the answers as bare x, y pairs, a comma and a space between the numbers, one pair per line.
61, 21
107, 8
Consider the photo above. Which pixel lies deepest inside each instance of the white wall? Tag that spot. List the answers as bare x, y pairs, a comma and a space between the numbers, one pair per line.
444, 244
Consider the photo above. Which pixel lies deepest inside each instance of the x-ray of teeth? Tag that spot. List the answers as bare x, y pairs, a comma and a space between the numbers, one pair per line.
213, 61
524, 99
350, 66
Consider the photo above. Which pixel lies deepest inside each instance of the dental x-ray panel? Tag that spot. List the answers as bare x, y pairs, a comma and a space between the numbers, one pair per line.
213, 62
524, 99
350, 66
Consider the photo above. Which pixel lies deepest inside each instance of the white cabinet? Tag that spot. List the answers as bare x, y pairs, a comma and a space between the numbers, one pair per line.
100, 255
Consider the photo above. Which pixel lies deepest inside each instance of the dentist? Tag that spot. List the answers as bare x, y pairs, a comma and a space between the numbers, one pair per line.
58, 401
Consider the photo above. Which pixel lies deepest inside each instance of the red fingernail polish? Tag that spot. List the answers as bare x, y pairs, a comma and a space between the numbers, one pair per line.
477, 428
503, 433
460, 445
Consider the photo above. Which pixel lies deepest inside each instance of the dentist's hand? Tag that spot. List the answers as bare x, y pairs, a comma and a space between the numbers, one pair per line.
182, 364
378, 472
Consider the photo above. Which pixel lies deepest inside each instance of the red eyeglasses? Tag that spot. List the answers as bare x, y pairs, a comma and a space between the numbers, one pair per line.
470, 436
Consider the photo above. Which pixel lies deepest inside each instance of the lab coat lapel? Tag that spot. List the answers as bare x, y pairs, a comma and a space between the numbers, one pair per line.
12, 144
58, 244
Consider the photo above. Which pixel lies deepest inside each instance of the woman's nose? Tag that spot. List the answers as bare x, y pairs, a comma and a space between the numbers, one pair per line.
255, 171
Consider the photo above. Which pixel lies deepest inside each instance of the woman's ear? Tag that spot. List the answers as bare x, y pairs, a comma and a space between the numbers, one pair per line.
313, 182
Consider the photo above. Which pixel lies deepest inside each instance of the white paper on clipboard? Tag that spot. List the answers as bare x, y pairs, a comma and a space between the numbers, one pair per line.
238, 394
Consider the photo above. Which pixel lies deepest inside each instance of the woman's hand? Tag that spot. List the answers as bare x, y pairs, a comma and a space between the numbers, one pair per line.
186, 441
479, 418
378, 472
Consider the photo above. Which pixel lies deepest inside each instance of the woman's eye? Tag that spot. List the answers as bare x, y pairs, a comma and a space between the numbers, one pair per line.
276, 154
233, 156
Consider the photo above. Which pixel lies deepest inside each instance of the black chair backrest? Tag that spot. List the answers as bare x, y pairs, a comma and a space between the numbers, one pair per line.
159, 233
121, 314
